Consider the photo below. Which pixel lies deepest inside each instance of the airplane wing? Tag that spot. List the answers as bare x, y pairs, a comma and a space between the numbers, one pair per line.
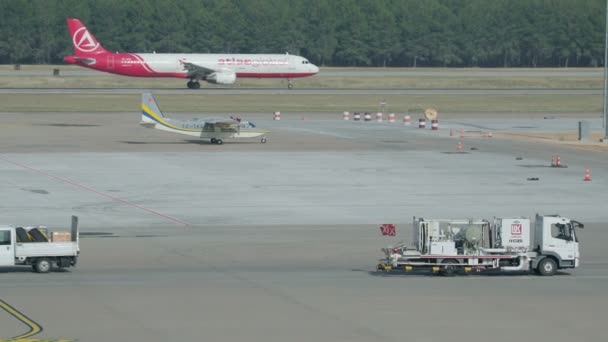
223, 123
196, 70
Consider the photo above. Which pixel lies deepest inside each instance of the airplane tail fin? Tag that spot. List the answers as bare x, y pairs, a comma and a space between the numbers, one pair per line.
83, 42
150, 112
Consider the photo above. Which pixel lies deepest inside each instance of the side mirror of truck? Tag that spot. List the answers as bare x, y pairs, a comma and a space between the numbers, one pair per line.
577, 224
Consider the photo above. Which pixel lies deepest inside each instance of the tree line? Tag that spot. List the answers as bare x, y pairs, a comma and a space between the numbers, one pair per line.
407, 33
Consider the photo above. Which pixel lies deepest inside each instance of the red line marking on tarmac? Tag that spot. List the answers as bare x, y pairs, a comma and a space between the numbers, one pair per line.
97, 192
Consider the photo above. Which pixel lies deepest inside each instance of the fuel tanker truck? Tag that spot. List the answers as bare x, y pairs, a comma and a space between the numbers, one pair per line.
447, 247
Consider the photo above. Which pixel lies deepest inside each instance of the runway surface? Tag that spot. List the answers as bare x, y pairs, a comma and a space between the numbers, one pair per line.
67, 70
184, 240
312, 91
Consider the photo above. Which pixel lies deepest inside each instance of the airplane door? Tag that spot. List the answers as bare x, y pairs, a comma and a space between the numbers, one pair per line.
7, 254
110, 62
292, 63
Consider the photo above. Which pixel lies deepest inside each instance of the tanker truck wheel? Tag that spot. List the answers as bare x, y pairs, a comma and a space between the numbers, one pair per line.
547, 267
449, 270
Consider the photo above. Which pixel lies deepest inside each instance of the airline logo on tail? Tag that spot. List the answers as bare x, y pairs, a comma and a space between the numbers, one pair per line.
83, 40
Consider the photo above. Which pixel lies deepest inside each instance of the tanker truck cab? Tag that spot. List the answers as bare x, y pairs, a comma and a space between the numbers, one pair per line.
556, 244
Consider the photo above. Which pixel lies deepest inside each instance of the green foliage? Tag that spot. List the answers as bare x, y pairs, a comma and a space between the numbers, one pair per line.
509, 33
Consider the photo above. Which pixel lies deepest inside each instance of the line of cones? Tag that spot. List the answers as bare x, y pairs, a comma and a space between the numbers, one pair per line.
556, 161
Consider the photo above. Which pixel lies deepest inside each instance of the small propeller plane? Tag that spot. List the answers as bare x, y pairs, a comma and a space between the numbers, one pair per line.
214, 129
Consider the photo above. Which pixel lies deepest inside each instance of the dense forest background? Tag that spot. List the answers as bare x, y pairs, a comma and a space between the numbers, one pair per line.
453, 33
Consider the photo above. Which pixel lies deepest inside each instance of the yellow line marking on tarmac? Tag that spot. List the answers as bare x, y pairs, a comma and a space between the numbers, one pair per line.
34, 340
34, 327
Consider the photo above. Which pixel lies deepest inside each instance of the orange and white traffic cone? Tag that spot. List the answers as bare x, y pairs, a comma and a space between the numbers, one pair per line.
459, 146
587, 175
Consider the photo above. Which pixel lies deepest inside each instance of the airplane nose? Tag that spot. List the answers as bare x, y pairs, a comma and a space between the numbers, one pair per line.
315, 69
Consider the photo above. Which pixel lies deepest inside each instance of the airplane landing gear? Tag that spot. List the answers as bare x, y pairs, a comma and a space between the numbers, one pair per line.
193, 84
263, 141
289, 84
216, 141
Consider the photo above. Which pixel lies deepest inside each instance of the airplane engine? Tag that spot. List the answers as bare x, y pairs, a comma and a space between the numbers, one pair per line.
222, 78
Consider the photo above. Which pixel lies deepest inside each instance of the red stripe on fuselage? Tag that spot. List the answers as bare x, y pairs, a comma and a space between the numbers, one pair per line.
142, 63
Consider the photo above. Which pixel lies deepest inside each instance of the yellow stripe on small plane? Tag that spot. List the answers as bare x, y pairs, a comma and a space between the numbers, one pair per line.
163, 121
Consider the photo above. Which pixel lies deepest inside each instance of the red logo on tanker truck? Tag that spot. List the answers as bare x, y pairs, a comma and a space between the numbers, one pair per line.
516, 228
388, 229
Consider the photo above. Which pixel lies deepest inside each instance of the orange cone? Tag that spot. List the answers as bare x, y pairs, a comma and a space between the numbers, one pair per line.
459, 146
587, 175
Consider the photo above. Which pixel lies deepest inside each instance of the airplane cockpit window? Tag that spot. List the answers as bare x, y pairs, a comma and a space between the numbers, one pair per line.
305, 62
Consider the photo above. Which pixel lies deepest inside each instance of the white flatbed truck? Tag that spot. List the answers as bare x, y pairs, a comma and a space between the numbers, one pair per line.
447, 247
15, 249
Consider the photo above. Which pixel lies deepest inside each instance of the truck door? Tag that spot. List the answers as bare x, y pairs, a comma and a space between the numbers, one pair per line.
562, 241
7, 252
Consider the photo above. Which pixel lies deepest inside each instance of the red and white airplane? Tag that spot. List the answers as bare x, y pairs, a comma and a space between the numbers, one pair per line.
213, 68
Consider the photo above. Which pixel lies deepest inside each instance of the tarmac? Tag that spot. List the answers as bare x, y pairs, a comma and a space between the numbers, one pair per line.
310, 91
74, 71
184, 240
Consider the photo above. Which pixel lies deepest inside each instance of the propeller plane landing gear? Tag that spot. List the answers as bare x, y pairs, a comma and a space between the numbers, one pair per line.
217, 141
192, 84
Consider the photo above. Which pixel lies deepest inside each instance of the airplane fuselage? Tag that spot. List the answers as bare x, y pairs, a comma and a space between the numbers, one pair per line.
172, 65
213, 68
215, 129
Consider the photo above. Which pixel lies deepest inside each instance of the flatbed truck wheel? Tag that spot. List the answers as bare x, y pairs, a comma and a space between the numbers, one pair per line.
43, 265
547, 267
